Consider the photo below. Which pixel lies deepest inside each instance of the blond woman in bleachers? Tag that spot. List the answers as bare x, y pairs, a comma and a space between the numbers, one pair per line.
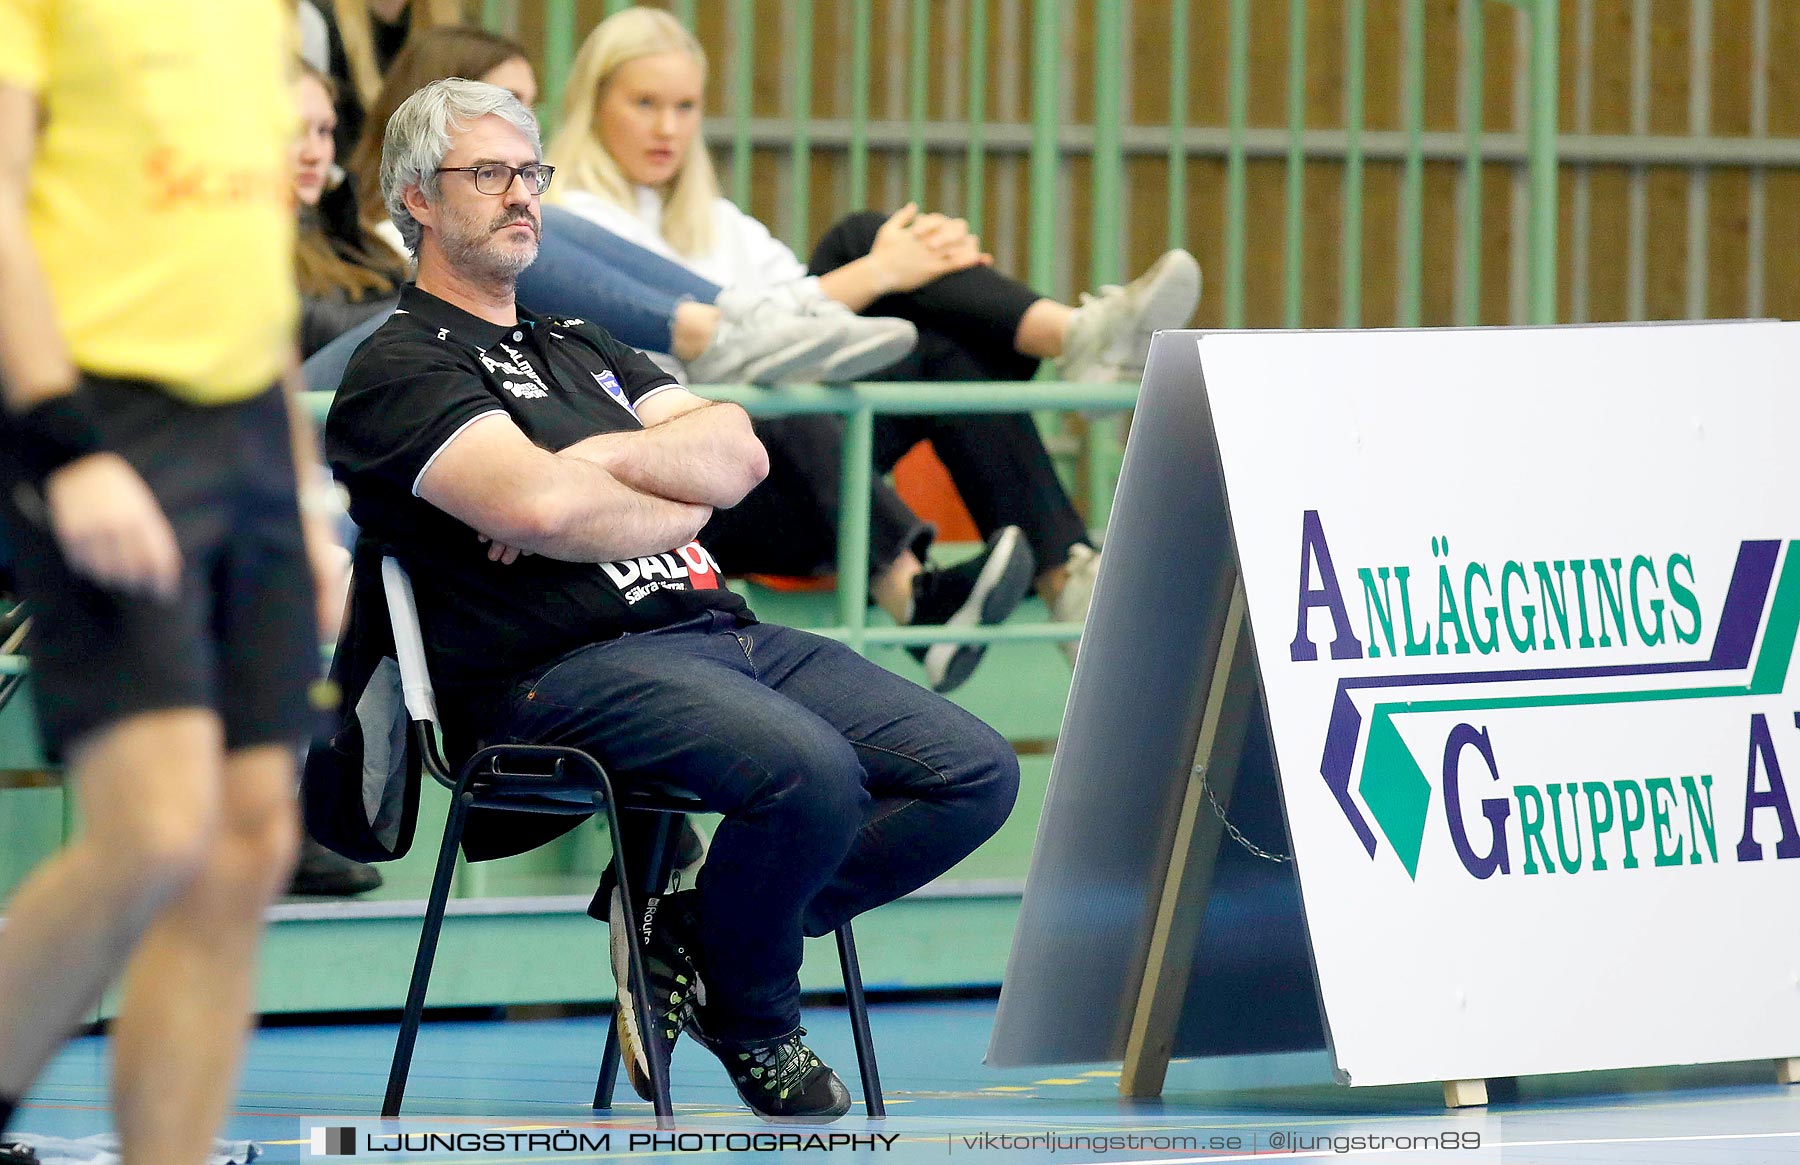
630, 157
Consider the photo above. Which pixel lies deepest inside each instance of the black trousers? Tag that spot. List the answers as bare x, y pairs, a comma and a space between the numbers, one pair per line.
240, 637
967, 322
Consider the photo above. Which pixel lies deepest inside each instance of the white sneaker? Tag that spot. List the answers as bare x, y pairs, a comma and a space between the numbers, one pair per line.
762, 340
1109, 334
869, 343
1072, 602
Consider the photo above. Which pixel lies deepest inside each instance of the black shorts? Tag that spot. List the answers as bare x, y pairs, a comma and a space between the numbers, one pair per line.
240, 638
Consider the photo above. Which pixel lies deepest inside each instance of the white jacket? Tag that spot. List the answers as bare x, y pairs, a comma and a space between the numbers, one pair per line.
744, 253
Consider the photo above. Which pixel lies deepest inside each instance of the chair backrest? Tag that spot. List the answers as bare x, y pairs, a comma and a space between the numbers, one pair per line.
409, 642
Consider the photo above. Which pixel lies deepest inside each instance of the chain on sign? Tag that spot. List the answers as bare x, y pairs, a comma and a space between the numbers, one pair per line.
1236, 834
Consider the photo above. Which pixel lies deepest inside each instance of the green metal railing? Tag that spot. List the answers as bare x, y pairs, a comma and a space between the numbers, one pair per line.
1541, 229
859, 405
939, 32
1046, 142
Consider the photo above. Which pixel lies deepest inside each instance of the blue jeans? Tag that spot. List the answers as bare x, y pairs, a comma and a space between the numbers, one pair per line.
842, 785
587, 271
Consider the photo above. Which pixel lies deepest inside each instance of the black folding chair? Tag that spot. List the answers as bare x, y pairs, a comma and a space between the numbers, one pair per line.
555, 779
15, 625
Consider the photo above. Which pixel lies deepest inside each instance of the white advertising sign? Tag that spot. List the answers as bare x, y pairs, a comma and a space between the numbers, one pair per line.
1525, 605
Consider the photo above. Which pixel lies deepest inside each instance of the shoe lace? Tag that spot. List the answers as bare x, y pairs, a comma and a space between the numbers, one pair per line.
1104, 291
783, 1065
1100, 312
685, 988
680, 1002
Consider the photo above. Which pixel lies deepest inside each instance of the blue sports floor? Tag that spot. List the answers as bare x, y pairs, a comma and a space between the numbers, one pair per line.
538, 1075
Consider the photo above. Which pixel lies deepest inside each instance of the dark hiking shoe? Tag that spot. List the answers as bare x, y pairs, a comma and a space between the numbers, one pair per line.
665, 928
782, 1080
690, 855
323, 872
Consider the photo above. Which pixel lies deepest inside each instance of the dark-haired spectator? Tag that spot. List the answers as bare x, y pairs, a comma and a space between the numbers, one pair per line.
344, 277
362, 38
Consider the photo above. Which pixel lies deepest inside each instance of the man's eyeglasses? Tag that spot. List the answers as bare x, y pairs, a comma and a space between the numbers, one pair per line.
497, 177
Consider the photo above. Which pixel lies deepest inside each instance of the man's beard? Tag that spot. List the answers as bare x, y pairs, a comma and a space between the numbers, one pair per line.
476, 252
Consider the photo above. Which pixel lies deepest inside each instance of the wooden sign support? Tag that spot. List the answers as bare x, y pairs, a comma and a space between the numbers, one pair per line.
1187, 879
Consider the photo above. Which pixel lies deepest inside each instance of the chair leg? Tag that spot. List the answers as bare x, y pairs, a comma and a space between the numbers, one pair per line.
609, 1066
608, 1080
663, 853
428, 942
662, 859
873, 1105
640, 979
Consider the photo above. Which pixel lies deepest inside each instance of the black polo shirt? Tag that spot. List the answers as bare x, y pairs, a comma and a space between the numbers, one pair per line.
413, 387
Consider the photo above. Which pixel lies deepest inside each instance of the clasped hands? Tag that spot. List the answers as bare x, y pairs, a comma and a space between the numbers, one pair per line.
913, 248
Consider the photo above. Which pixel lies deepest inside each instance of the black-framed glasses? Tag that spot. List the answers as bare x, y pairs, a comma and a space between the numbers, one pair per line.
497, 177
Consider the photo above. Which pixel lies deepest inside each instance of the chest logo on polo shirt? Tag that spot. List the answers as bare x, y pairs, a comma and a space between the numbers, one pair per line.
686, 568
613, 389
530, 388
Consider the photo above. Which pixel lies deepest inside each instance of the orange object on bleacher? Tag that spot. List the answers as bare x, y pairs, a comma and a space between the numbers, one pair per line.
924, 484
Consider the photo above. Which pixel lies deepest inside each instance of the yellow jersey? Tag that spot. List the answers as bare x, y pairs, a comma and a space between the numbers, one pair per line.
160, 200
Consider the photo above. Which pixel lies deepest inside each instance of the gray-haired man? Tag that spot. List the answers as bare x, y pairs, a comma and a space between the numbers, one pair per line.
544, 486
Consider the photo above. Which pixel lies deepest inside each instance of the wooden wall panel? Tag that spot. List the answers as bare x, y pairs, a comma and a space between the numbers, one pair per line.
1150, 30
1666, 279
1496, 243
1611, 66
1608, 235
1440, 244
1781, 297
1731, 67
1668, 66
1727, 243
